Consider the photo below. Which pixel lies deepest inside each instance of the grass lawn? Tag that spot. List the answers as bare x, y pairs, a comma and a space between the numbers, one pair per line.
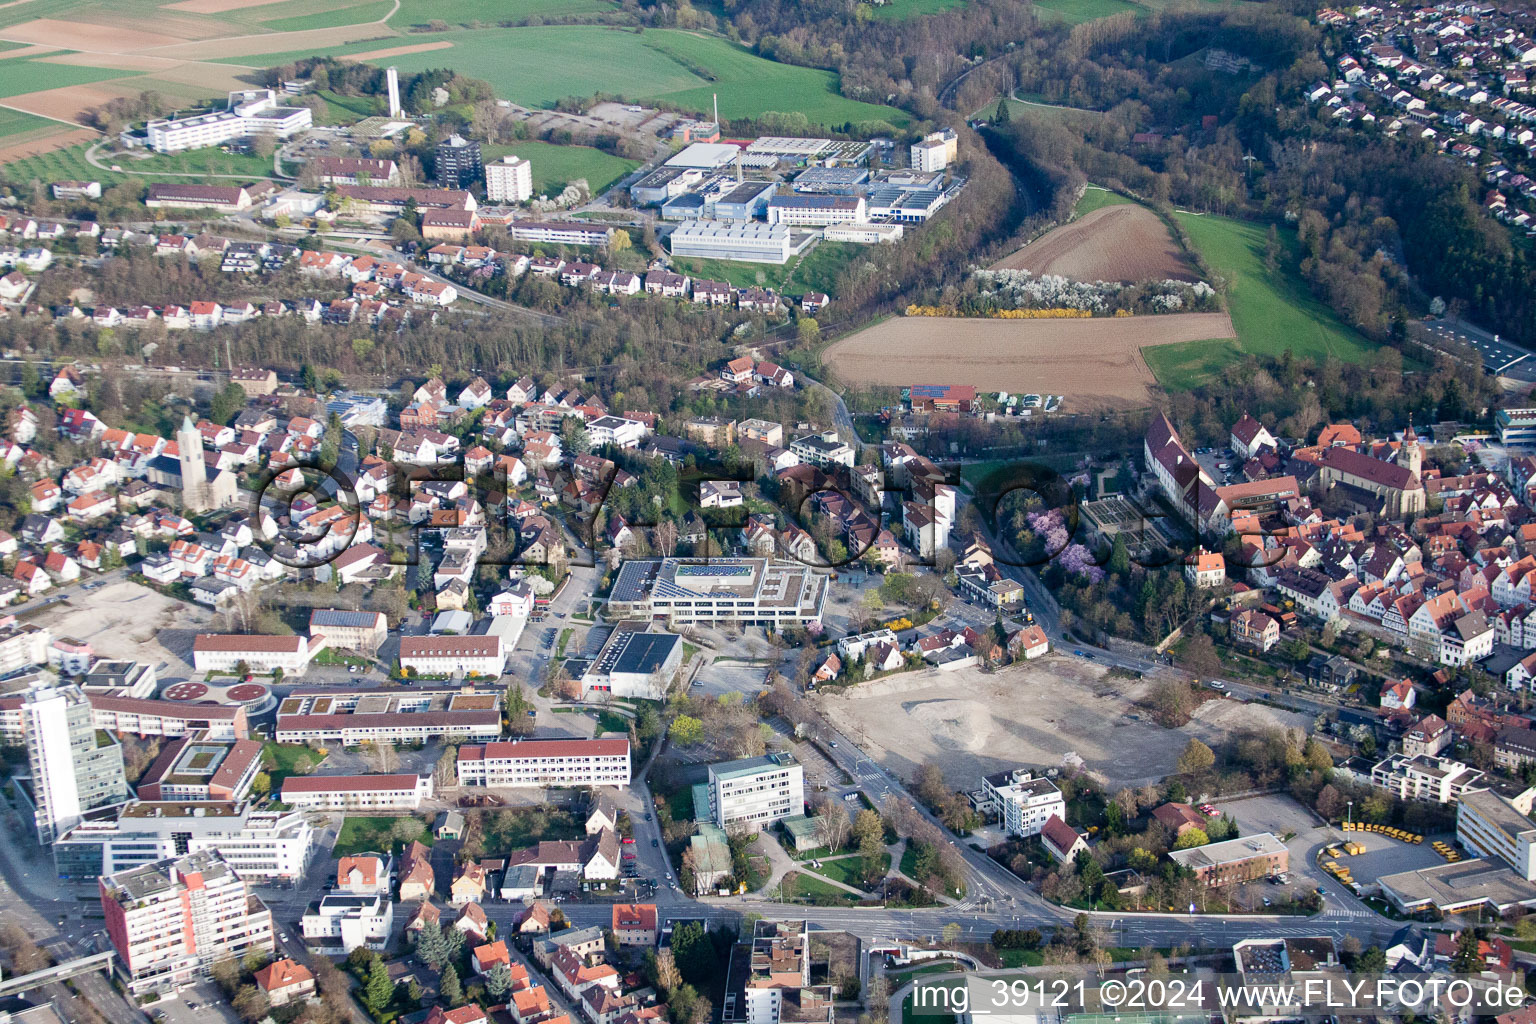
554, 166
1021, 957
348, 109
196, 161
70, 164
1075, 12
281, 760
1185, 365
815, 270
492, 12
370, 834
1095, 198
850, 870
539, 65
512, 829
1271, 312
680, 803
796, 884
610, 721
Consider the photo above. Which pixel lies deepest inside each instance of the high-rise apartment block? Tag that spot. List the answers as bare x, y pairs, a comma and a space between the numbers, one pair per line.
508, 180
171, 920
74, 769
458, 162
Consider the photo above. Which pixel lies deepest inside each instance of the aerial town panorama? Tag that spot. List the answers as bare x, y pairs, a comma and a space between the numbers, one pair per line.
842, 512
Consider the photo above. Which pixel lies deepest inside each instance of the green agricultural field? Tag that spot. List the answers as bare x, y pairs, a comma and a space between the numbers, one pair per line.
358, 14
554, 166
1075, 12
1095, 198
749, 85
14, 122
493, 12
20, 75
896, 10
1271, 312
539, 65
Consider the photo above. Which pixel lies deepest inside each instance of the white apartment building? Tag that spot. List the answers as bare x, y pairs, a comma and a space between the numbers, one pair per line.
936, 151
72, 771
508, 180
1492, 825
756, 791
1424, 777
251, 112
769, 978
825, 450
260, 846
357, 792
1023, 802
22, 647
170, 920
599, 762
232, 652
447, 655
342, 922
615, 430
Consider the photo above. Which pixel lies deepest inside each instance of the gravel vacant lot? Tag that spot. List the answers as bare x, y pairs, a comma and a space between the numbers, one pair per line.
126, 620
1040, 714
1096, 364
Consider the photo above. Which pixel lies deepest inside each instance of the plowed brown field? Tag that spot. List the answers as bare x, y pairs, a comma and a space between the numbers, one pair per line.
1095, 363
1113, 243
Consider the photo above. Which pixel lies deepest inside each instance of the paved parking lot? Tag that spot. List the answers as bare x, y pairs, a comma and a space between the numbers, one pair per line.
1271, 813
724, 677
1386, 856
202, 1003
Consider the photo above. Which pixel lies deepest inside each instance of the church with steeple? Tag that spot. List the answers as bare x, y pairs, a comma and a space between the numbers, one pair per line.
201, 489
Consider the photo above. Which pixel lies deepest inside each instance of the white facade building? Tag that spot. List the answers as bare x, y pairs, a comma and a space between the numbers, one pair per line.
1023, 802
756, 791
252, 112
357, 792
509, 180
599, 762
340, 923
171, 920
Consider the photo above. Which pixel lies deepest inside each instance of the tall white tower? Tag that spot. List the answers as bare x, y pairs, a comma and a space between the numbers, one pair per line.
392, 77
45, 715
194, 471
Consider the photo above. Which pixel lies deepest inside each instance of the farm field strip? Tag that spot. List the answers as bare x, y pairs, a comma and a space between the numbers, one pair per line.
1115, 242
1096, 363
